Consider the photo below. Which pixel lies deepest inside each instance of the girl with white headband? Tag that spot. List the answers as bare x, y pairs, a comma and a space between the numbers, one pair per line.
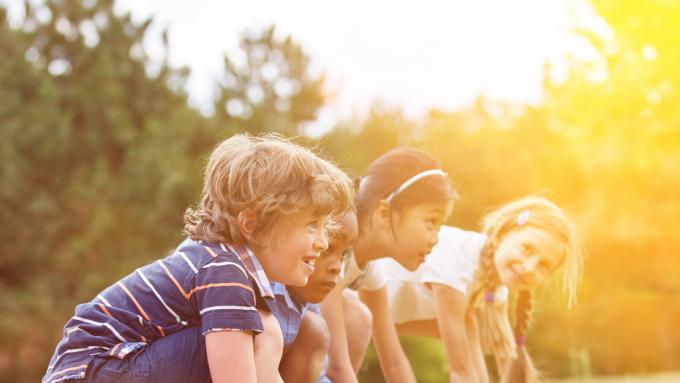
403, 199
460, 293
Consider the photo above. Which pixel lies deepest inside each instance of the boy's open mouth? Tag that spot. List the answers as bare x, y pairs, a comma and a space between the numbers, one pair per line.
310, 261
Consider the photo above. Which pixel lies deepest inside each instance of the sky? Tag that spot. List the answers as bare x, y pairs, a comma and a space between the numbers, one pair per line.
413, 55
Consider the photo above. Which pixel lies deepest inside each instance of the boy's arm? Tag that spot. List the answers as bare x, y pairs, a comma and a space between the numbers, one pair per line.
339, 364
393, 361
231, 356
451, 306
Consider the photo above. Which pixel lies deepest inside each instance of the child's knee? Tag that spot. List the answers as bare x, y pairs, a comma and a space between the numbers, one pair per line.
358, 318
270, 341
314, 333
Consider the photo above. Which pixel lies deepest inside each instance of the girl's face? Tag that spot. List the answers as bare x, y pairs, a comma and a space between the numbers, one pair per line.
416, 231
525, 257
292, 247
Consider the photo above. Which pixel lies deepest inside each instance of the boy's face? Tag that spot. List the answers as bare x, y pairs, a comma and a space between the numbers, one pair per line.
327, 272
292, 247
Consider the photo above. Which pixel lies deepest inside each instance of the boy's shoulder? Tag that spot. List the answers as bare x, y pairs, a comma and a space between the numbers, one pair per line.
216, 258
207, 252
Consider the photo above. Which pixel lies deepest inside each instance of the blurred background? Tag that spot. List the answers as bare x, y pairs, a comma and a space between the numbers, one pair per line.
108, 110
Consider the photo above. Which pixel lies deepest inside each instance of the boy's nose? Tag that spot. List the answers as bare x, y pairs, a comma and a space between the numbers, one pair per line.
321, 241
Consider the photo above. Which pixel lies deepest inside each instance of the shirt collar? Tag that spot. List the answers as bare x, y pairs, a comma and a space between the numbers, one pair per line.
281, 290
247, 257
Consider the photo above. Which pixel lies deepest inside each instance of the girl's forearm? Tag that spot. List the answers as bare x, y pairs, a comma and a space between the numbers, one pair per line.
393, 361
397, 369
476, 354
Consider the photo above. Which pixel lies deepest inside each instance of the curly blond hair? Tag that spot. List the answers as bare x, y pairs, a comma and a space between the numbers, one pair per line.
268, 175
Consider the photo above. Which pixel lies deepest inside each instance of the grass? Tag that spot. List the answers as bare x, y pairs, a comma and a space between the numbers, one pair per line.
655, 378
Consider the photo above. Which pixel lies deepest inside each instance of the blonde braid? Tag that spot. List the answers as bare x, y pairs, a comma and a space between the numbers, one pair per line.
522, 369
489, 282
522, 316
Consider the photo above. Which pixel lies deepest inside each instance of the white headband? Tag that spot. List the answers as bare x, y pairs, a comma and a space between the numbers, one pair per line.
413, 179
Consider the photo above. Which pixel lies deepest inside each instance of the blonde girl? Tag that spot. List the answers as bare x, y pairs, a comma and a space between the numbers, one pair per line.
460, 294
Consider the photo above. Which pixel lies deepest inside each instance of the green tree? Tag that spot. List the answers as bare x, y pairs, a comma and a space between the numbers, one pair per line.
100, 156
272, 89
98, 160
620, 113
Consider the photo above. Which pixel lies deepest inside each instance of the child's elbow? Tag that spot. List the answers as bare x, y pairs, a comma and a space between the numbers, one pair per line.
313, 333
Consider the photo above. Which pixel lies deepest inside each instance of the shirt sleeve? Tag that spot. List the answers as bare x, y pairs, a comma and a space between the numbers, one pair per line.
225, 297
352, 276
452, 262
374, 278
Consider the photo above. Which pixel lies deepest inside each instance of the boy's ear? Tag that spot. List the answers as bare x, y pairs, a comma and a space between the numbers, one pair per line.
247, 222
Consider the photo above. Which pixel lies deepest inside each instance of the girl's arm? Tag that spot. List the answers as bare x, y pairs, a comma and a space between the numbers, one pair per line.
504, 351
462, 350
476, 350
231, 356
393, 361
339, 364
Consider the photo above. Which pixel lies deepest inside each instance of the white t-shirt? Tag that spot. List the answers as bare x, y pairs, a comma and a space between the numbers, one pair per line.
370, 278
453, 262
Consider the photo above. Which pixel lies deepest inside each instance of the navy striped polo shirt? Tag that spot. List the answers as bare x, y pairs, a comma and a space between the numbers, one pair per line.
215, 286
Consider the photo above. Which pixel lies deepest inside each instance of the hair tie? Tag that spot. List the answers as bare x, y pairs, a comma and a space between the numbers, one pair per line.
523, 217
521, 340
489, 297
